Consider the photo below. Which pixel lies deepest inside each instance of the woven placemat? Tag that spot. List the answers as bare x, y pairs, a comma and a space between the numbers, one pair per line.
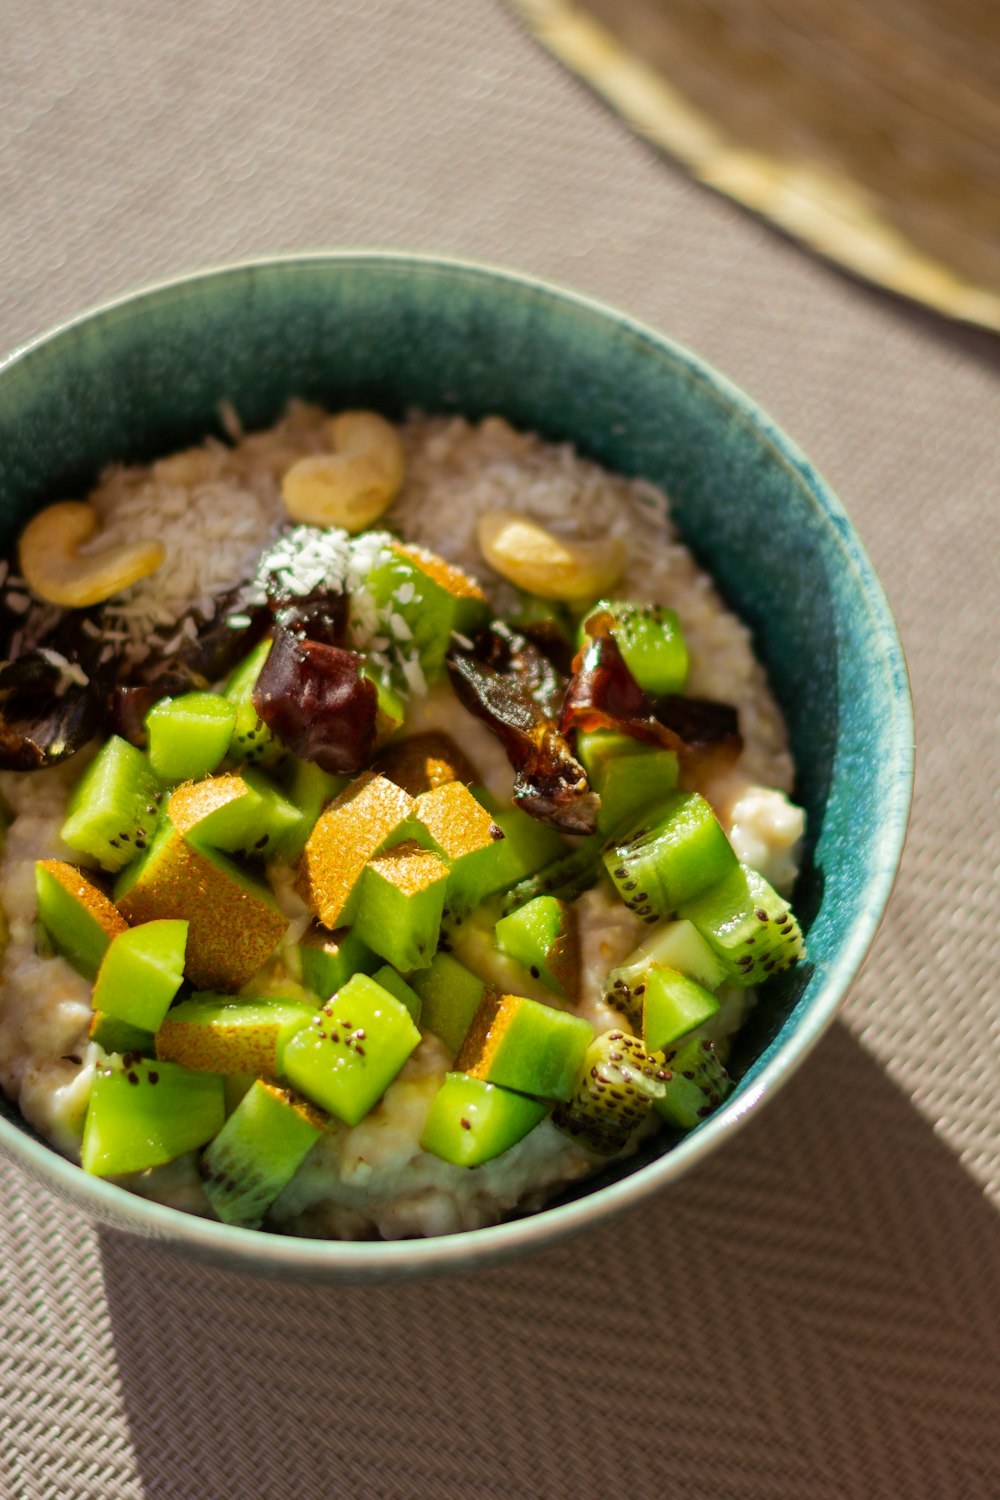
871, 132
815, 1311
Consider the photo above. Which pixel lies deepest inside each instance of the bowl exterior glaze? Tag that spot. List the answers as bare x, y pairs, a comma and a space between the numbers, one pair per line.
145, 375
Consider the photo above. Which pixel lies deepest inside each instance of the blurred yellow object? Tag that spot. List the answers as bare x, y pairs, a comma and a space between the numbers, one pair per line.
869, 130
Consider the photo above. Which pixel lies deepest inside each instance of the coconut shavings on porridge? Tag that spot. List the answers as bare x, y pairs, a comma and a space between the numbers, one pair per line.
398, 826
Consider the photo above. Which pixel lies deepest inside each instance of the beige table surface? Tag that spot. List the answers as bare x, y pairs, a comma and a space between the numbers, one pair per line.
816, 1312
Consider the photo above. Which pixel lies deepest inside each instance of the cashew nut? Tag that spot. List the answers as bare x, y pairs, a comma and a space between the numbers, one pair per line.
57, 571
352, 486
524, 553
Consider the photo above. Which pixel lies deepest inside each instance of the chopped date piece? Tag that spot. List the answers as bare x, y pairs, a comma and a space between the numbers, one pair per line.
320, 615
39, 725
509, 684
603, 694
317, 701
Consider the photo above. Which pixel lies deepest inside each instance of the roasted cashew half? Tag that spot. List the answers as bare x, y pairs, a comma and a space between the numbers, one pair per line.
54, 568
524, 553
352, 486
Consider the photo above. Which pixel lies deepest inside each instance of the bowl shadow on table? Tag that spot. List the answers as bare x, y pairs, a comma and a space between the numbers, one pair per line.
813, 1307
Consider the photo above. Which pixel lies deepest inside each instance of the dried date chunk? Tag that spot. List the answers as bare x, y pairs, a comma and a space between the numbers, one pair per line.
506, 682
318, 702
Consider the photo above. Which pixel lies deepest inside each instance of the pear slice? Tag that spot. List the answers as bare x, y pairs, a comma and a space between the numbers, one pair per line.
466, 836
400, 906
422, 762
76, 913
229, 1034
526, 1046
356, 825
234, 921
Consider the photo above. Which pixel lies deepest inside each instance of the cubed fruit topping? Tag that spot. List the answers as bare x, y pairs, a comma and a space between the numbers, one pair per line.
398, 987
748, 926
471, 1122
450, 995
141, 972
429, 597
257, 1152
225, 1034
466, 837
118, 1036
679, 945
243, 813
309, 789
328, 959
422, 762
189, 735
400, 905
77, 914
543, 936
250, 739
527, 845
526, 1046
235, 922
673, 1006
346, 1059
650, 639
631, 778
143, 1113
112, 810
659, 866
696, 1083
617, 1084
369, 813
566, 877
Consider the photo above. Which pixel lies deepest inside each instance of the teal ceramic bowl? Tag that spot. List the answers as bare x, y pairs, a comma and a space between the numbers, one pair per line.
144, 375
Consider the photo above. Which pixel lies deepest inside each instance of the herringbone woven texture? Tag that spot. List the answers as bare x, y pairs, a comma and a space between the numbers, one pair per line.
815, 1313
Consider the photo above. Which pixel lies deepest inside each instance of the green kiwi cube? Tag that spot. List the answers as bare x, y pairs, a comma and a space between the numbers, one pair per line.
471, 1121
696, 1084
143, 1113
629, 776
257, 1153
328, 959
309, 789
370, 813
236, 1086
250, 740
189, 735
346, 1059
450, 995
232, 1034
400, 906
467, 838
673, 1006
115, 1035
113, 808
618, 1083
430, 598
657, 868
747, 925
567, 877
76, 914
141, 973
398, 987
678, 945
235, 923
524, 1045
527, 845
280, 821
651, 641
543, 937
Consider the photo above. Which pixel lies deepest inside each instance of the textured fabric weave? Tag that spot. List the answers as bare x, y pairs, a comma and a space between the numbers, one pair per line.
815, 1312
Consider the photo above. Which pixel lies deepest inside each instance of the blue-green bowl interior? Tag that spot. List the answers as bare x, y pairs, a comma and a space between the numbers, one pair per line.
145, 376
